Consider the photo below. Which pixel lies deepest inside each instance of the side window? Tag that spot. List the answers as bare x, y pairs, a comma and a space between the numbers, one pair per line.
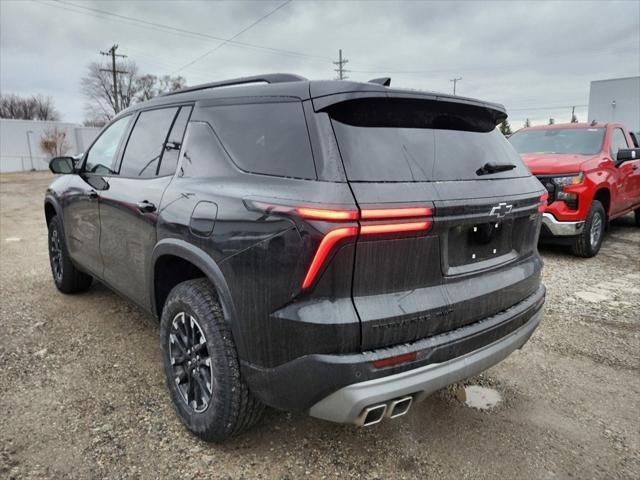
146, 143
267, 138
174, 142
101, 158
618, 141
203, 155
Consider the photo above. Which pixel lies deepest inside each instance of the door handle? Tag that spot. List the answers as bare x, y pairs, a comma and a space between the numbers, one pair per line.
91, 194
146, 206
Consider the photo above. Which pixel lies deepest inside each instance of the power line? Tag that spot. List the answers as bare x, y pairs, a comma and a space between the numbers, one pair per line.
556, 107
103, 14
340, 64
225, 41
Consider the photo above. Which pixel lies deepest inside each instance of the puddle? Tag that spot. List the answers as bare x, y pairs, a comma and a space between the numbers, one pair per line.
12, 239
482, 398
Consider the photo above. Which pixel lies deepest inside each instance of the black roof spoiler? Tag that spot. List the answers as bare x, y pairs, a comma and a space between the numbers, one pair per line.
384, 81
266, 78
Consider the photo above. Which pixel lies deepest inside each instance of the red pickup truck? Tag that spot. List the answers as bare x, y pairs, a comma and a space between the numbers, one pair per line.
592, 174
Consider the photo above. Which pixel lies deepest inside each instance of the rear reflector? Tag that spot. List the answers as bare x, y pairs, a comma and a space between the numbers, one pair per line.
388, 362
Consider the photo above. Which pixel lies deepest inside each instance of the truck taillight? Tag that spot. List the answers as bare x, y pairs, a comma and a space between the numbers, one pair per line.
543, 201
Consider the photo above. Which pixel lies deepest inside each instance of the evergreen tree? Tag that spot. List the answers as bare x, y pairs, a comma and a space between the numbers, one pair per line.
527, 123
505, 128
551, 121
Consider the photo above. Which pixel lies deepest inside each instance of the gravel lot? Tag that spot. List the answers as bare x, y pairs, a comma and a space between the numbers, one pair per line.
82, 393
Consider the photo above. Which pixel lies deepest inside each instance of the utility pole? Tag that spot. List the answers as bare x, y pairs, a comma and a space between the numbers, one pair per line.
112, 53
455, 81
340, 64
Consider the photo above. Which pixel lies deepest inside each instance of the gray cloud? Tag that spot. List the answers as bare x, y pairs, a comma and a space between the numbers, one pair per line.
526, 55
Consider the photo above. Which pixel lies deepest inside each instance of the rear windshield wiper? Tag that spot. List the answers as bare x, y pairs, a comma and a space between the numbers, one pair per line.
489, 168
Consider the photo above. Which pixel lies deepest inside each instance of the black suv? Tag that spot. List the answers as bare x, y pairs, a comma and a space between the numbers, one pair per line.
337, 248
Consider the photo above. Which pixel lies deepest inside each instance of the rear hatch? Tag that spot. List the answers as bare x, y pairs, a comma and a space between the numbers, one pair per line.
476, 255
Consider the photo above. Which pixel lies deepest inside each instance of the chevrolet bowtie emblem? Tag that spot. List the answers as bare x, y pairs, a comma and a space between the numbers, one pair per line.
501, 210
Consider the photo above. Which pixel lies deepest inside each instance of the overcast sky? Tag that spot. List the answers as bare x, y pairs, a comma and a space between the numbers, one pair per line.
529, 56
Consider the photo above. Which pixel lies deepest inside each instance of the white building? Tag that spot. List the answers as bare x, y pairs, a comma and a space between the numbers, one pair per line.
616, 100
20, 142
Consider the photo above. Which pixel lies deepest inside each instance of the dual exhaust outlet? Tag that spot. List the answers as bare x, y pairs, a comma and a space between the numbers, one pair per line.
375, 413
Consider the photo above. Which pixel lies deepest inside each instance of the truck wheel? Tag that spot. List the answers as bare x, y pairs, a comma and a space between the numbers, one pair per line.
201, 364
588, 243
67, 277
637, 214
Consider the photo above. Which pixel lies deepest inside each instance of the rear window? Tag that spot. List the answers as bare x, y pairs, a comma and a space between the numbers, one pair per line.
395, 140
585, 141
266, 138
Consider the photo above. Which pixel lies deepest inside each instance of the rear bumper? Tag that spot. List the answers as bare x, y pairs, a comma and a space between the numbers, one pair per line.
560, 228
345, 405
324, 385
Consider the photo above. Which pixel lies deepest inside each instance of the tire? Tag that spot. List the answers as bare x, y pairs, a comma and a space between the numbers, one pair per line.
66, 276
637, 214
230, 407
588, 243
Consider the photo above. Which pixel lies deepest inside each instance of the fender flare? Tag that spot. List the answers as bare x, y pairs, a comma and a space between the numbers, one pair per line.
53, 201
199, 258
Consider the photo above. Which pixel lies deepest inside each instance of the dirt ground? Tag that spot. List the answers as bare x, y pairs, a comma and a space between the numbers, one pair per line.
82, 392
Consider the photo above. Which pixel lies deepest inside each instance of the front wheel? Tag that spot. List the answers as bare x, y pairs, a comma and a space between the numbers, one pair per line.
67, 277
201, 364
588, 243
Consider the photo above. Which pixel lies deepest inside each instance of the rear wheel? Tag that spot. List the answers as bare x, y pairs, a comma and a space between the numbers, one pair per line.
637, 214
588, 243
67, 277
201, 364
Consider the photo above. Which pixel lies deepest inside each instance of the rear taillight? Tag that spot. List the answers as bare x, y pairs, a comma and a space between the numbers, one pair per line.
326, 244
372, 222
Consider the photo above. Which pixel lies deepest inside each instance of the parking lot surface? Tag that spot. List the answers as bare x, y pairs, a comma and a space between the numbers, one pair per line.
82, 391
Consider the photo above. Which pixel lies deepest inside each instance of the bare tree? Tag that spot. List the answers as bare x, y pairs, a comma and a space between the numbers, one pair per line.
35, 107
97, 86
54, 142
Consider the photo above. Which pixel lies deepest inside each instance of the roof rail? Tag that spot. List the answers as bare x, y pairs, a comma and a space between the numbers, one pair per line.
266, 78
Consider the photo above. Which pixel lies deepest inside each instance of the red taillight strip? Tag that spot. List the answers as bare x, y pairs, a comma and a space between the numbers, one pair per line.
327, 243
329, 215
380, 213
395, 227
387, 362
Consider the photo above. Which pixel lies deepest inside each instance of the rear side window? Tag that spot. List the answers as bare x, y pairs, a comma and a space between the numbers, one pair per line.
265, 138
618, 141
146, 143
398, 140
174, 142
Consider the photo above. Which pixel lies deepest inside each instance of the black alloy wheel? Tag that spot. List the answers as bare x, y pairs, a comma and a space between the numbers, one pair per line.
190, 361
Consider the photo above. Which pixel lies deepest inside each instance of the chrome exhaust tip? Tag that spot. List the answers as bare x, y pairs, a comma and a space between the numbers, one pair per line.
399, 407
371, 415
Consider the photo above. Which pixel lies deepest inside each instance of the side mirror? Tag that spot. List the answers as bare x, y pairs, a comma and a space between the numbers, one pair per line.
626, 154
62, 165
